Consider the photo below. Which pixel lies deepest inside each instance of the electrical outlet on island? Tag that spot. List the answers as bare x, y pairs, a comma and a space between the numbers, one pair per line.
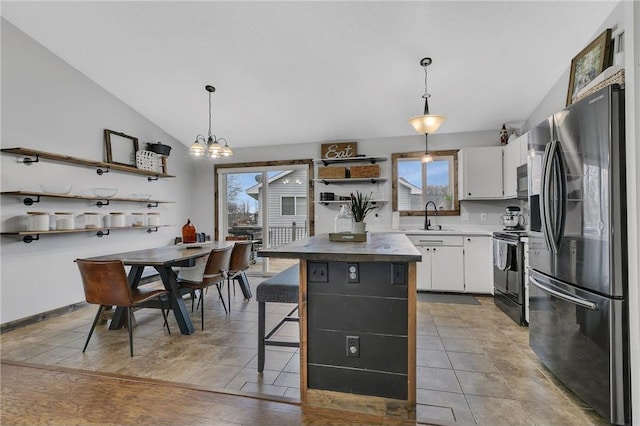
483, 216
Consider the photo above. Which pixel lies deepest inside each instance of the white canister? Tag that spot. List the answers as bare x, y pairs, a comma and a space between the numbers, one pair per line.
153, 219
116, 220
37, 221
92, 220
138, 219
64, 221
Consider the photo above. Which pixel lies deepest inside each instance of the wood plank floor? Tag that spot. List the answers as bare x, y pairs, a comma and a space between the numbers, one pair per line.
38, 395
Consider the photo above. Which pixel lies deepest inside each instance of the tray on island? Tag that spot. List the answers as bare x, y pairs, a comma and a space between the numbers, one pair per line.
347, 237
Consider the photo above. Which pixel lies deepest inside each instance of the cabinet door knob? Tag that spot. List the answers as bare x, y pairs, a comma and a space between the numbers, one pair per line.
468, 239
428, 249
469, 193
434, 249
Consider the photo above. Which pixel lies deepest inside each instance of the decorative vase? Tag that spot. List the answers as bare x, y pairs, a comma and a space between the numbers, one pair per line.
359, 227
504, 135
188, 232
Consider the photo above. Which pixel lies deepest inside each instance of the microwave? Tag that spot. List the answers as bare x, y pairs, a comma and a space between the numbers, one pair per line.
522, 191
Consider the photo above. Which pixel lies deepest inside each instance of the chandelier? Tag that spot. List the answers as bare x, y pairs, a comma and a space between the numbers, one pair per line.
210, 146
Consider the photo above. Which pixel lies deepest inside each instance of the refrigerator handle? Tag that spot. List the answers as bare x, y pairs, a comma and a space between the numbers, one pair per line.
561, 200
564, 296
545, 206
547, 182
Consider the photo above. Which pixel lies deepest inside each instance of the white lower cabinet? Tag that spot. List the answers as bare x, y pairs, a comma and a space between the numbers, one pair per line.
441, 259
454, 263
478, 264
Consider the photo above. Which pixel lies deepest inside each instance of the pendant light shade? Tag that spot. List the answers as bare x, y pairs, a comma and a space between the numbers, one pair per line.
427, 122
211, 146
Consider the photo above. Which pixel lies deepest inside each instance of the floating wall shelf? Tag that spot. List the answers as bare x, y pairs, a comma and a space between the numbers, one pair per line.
32, 197
29, 236
34, 156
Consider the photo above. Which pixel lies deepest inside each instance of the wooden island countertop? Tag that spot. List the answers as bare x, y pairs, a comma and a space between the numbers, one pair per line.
357, 309
390, 247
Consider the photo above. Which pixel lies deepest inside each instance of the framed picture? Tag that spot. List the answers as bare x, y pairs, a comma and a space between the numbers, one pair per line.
588, 64
121, 149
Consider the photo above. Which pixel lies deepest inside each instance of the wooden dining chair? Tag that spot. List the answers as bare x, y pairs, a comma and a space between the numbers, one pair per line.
240, 262
215, 272
105, 283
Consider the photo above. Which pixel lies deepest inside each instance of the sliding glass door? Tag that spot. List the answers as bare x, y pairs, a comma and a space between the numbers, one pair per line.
268, 205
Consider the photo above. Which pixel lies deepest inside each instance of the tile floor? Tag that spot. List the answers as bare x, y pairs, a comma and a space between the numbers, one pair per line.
474, 365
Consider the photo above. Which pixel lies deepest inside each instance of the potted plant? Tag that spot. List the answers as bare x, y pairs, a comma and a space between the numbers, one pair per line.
361, 205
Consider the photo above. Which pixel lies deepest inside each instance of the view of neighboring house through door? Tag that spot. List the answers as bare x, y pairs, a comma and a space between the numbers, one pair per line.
268, 204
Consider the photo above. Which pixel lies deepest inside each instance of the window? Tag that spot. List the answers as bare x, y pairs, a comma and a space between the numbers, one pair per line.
293, 206
416, 183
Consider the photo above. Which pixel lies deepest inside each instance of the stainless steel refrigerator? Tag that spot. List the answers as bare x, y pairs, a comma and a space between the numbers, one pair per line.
578, 300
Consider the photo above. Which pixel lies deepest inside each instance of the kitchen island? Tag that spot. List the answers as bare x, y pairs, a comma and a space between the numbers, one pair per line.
357, 307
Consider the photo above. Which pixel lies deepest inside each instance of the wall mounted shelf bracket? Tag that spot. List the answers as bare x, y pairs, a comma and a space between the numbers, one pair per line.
28, 238
29, 201
28, 160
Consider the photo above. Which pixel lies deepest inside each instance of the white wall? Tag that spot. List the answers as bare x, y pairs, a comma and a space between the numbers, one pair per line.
48, 105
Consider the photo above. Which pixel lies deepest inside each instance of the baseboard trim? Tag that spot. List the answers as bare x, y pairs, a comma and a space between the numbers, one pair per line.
33, 319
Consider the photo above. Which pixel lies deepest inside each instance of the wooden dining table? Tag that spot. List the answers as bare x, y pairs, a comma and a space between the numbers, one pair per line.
163, 259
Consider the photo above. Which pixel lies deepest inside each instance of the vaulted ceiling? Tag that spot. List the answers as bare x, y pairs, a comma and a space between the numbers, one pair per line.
301, 71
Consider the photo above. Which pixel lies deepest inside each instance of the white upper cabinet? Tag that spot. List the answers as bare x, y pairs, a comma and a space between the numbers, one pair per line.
480, 173
513, 157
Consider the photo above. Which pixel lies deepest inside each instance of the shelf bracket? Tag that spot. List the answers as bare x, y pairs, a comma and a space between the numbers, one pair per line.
28, 238
151, 205
325, 182
150, 230
326, 163
101, 203
373, 161
373, 181
152, 178
28, 161
101, 171
29, 201
102, 233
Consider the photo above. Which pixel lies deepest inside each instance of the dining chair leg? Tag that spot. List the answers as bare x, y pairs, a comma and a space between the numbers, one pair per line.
229, 294
129, 322
193, 296
219, 287
202, 310
93, 326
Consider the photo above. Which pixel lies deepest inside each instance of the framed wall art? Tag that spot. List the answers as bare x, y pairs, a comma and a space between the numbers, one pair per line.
120, 148
588, 64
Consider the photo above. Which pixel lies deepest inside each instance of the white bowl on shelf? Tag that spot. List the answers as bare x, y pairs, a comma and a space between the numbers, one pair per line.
56, 188
142, 197
104, 192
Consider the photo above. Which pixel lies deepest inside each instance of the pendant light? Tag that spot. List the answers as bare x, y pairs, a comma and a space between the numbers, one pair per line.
426, 123
211, 146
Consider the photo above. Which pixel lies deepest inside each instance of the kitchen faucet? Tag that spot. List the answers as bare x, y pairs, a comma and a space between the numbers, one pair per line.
427, 222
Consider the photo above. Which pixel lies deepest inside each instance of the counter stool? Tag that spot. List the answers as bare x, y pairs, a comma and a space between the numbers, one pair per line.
280, 288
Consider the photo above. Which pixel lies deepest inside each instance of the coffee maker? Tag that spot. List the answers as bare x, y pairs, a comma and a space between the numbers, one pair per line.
513, 220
